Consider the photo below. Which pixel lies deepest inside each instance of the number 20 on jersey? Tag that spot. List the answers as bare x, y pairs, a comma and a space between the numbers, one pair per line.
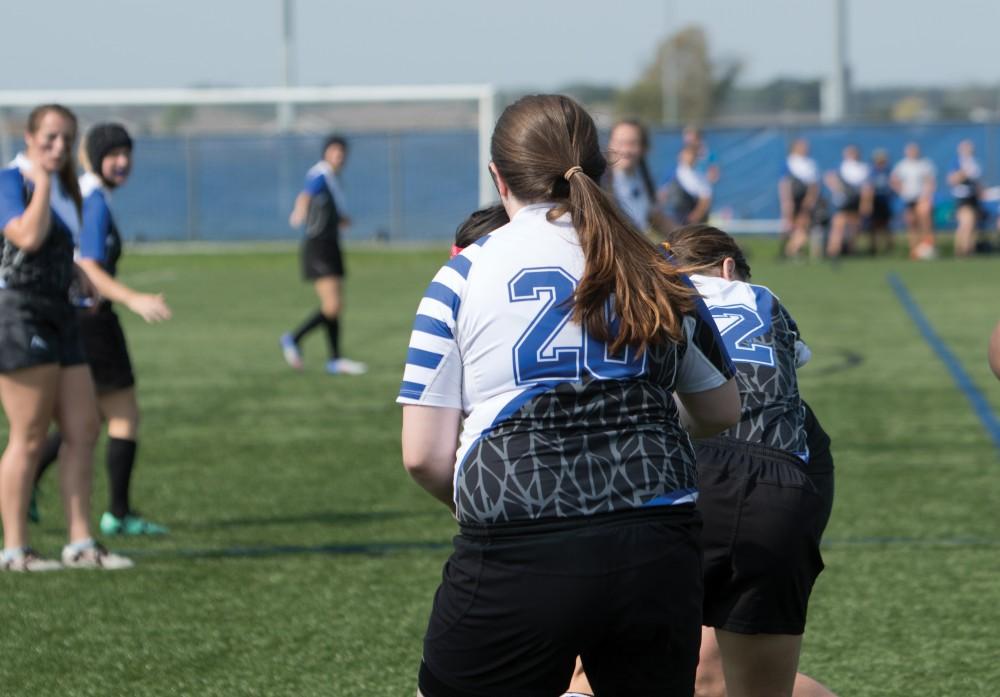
537, 355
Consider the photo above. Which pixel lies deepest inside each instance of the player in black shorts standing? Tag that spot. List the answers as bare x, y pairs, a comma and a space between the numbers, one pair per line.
321, 207
851, 190
43, 373
766, 485
572, 477
108, 151
798, 193
966, 187
880, 221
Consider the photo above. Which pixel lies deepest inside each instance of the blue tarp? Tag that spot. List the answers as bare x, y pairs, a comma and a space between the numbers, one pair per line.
414, 186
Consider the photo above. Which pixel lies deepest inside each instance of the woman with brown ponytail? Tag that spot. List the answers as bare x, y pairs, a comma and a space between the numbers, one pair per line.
43, 372
550, 352
766, 486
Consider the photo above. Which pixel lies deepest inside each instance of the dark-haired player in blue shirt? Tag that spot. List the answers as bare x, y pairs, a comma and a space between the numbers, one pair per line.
108, 147
321, 207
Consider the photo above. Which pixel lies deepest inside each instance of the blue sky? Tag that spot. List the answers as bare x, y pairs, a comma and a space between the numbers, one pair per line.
538, 43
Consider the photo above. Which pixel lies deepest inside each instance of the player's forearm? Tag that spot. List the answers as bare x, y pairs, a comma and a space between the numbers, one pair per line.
700, 209
106, 284
28, 232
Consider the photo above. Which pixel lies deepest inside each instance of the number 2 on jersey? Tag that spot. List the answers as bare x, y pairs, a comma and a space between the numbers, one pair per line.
537, 357
737, 325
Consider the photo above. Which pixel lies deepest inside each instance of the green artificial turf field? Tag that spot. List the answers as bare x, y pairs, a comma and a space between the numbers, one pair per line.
302, 560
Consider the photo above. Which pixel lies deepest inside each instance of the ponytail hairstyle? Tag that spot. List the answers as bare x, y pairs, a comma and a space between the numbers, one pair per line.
546, 149
644, 173
67, 173
700, 248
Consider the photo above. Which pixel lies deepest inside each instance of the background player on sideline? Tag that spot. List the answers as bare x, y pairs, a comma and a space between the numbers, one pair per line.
538, 555
798, 193
914, 179
321, 206
688, 195
108, 160
966, 188
850, 186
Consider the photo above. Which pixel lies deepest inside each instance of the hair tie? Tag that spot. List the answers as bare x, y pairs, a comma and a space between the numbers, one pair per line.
571, 171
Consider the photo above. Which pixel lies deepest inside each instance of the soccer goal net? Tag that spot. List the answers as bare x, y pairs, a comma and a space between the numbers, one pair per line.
225, 164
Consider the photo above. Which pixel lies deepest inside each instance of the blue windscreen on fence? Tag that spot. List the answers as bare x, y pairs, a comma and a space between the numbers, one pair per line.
420, 185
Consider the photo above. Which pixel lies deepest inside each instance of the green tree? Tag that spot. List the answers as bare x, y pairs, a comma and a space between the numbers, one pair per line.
696, 86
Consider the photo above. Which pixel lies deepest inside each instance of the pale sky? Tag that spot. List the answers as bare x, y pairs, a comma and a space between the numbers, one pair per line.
511, 43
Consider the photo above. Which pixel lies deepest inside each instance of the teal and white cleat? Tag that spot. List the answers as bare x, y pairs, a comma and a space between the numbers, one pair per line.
131, 524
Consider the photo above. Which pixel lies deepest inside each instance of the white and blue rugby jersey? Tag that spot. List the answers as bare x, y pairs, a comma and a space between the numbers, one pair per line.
99, 239
554, 425
967, 188
49, 269
327, 204
764, 343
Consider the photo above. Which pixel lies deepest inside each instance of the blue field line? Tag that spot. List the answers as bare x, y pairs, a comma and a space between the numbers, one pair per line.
980, 405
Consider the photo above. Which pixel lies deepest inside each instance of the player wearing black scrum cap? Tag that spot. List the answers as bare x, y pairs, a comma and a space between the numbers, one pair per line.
108, 158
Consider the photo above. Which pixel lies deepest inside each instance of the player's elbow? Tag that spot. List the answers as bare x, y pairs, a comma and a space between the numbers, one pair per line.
713, 411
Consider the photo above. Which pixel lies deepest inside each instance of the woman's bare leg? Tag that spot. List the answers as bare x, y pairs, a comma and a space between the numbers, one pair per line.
29, 398
79, 425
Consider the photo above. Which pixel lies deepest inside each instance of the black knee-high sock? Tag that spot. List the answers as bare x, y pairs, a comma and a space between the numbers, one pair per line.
310, 323
49, 454
121, 461
333, 335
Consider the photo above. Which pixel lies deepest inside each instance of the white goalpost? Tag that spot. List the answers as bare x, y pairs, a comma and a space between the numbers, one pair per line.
283, 98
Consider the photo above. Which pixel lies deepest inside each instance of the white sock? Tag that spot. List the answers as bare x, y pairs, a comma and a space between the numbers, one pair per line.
82, 545
13, 553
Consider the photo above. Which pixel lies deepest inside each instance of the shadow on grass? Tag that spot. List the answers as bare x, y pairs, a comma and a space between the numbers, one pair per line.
323, 517
363, 548
845, 360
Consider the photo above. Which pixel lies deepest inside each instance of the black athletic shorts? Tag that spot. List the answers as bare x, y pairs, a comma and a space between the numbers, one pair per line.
881, 211
321, 257
519, 602
851, 203
36, 330
763, 520
106, 351
797, 203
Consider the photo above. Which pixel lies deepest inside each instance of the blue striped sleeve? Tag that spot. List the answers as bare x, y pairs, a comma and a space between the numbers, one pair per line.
461, 265
432, 326
423, 358
445, 295
433, 373
411, 390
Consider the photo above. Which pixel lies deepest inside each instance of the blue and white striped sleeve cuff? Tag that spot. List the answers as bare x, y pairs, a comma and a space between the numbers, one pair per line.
433, 373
